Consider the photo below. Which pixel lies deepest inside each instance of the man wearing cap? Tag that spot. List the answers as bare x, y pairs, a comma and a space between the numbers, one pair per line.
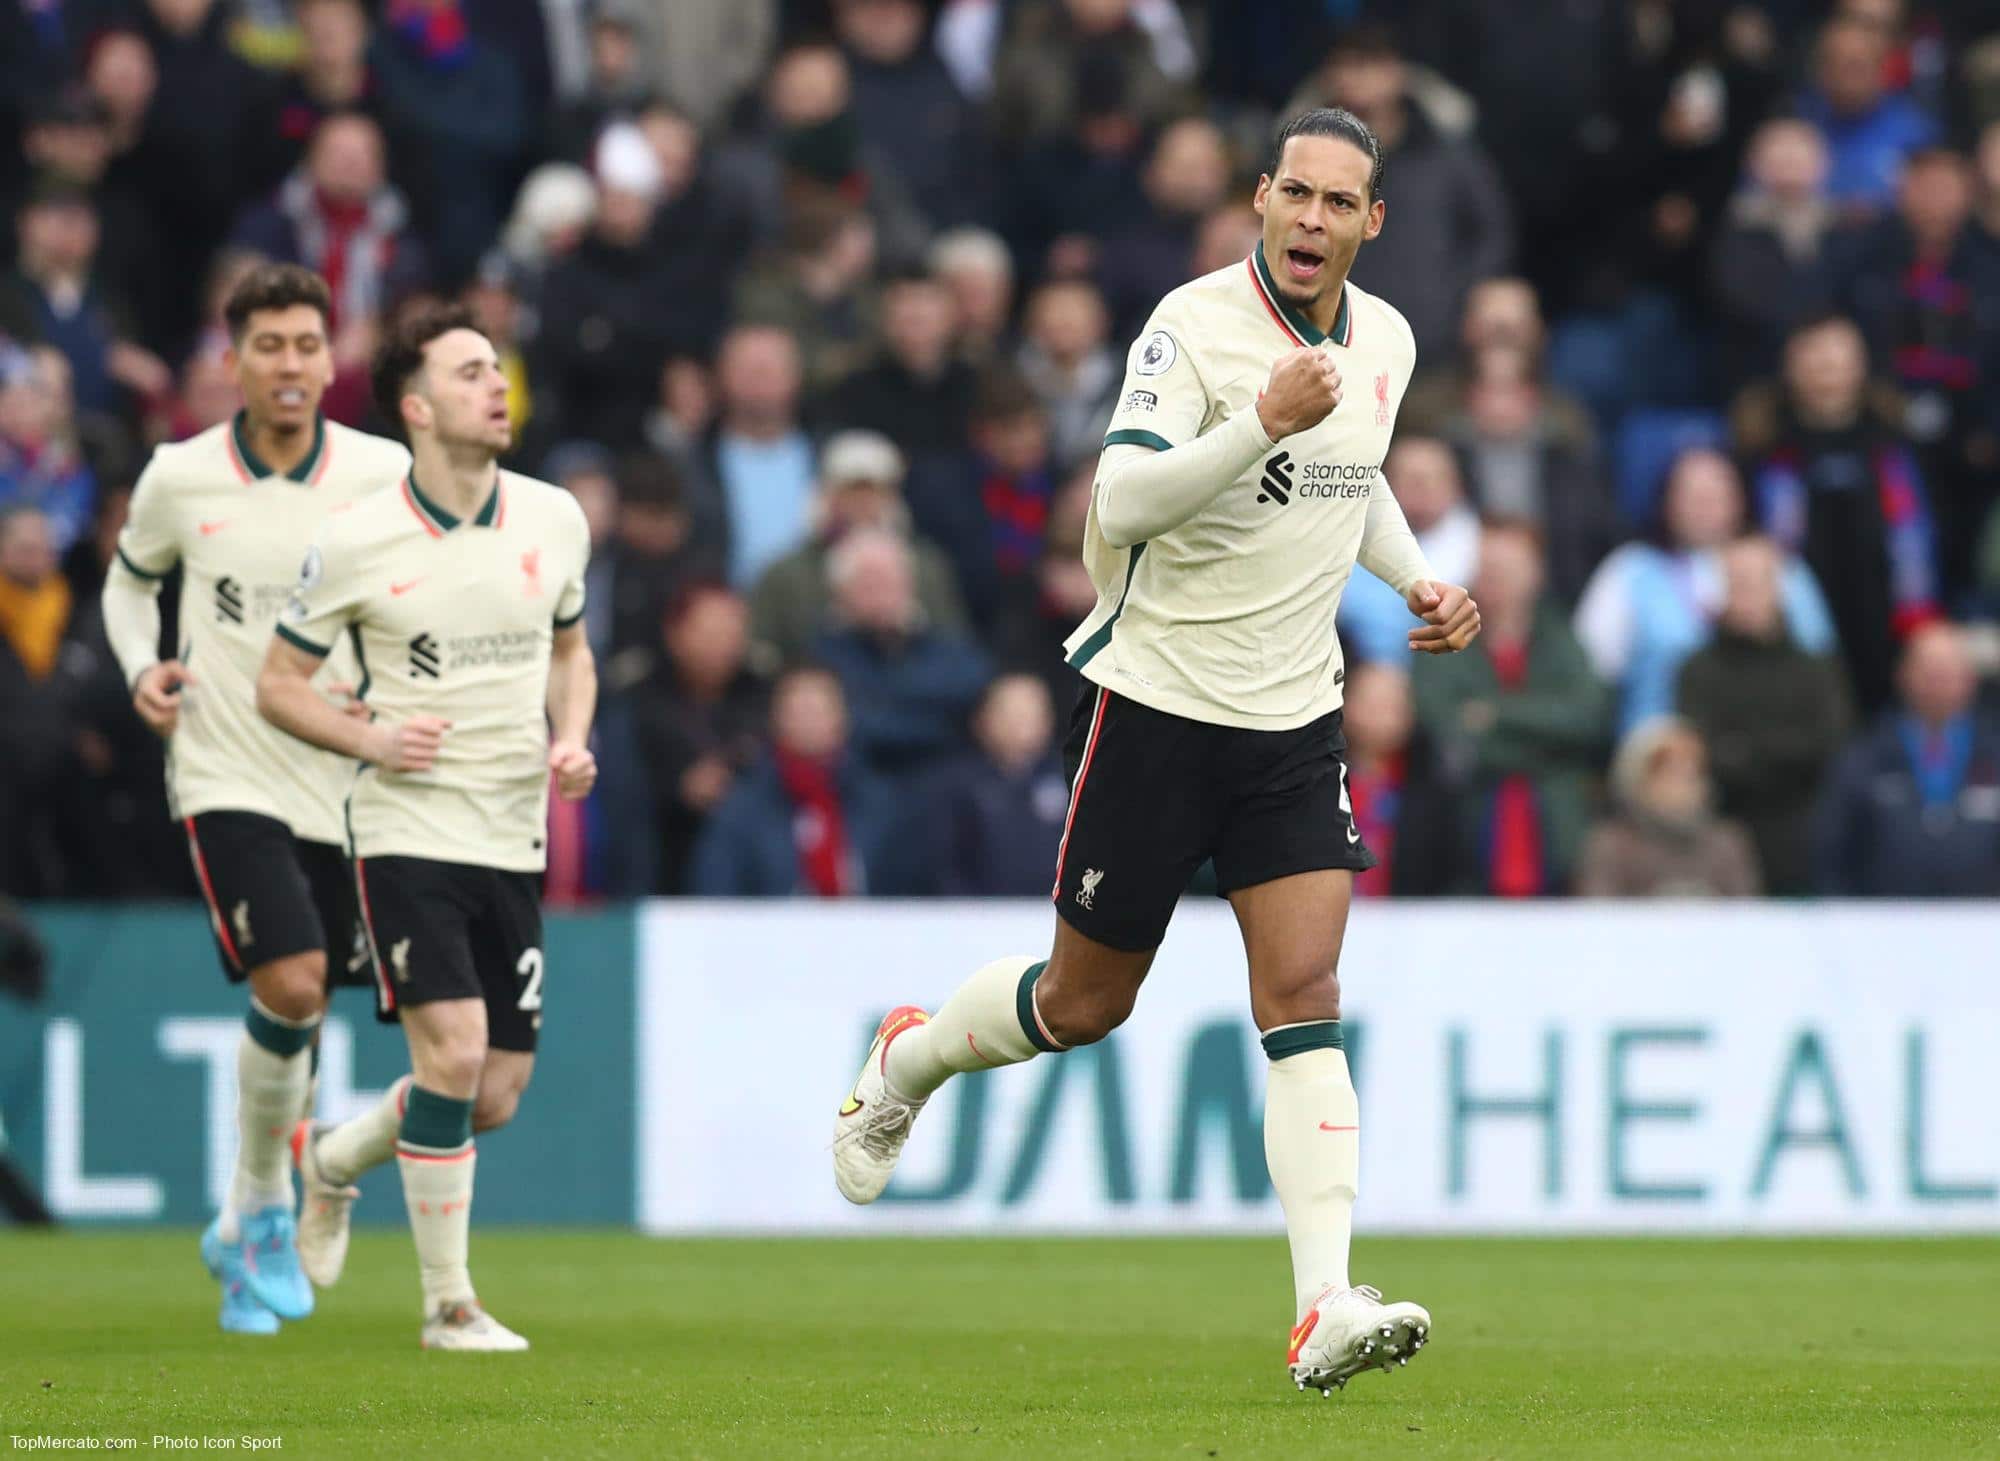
860, 486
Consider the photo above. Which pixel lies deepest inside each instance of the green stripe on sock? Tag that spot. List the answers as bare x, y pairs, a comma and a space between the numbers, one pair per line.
436, 1121
1297, 1039
1024, 1009
280, 1039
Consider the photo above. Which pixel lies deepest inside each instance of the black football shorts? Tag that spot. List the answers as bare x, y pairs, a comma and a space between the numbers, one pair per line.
271, 895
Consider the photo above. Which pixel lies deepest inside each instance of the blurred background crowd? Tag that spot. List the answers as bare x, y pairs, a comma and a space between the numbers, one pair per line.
820, 308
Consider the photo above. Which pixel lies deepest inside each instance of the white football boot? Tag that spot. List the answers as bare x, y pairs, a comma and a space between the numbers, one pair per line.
873, 1123
463, 1325
1347, 1331
324, 1213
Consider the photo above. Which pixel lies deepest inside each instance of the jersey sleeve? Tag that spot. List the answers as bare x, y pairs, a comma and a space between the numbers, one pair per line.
1163, 401
149, 543
328, 595
569, 602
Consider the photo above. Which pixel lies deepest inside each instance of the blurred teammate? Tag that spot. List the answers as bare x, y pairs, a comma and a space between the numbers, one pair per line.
1233, 499
462, 590
235, 507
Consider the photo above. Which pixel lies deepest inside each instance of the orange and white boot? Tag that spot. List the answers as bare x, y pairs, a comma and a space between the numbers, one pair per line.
874, 1122
1348, 1331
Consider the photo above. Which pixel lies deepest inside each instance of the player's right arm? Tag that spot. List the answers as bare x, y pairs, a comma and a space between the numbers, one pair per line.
148, 549
1158, 469
325, 604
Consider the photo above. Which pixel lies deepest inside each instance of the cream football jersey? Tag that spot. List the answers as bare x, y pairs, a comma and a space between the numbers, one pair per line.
1229, 617
453, 619
239, 532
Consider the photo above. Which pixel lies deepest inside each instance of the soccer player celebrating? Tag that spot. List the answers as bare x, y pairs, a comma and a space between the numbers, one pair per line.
462, 590
236, 507
1239, 485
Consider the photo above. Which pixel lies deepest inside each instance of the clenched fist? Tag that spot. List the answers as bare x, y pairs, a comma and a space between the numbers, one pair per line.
1304, 387
410, 745
156, 695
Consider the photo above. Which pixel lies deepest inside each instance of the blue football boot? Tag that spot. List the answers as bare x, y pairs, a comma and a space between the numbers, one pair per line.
271, 1263
242, 1313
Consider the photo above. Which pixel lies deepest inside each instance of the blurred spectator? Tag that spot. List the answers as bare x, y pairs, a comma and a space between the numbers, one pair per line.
457, 103
641, 556
1070, 365
1836, 483
609, 320
1986, 218
37, 777
860, 489
618, 89
1422, 472
976, 267
1520, 724
493, 295
1058, 596
1913, 809
1770, 265
1056, 59
68, 140
552, 214
1452, 224
1520, 466
808, 819
1401, 811
704, 54
332, 76
1665, 841
1926, 293
907, 107
910, 683
763, 460
1186, 179
54, 297
40, 464
1773, 715
1651, 604
1000, 809
583, 469
700, 719
918, 393
1225, 239
205, 119
1869, 130
1067, 194
817, 284
812, 154
338, 216
702, 228
1502, 313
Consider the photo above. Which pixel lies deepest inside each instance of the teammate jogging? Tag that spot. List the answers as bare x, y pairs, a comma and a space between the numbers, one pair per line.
1240, 483
235, 507
462, 590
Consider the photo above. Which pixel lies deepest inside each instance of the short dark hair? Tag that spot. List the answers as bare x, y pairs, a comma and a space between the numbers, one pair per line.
649, 479
1331, 122
274, 287
401, 353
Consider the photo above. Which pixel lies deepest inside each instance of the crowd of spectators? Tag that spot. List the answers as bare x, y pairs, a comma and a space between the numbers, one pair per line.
819, 307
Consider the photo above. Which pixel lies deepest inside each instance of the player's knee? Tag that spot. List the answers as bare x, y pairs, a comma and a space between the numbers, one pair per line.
454, 1065
1083, 1017
1295, 997
293, 988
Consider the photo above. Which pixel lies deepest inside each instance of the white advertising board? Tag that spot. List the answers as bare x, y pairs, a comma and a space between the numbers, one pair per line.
1580, 1067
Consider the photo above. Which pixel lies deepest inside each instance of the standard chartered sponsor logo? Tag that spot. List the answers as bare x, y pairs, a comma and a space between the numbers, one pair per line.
508, 647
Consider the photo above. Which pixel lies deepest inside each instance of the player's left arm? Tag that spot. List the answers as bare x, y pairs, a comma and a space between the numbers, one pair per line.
572, 704
572, 696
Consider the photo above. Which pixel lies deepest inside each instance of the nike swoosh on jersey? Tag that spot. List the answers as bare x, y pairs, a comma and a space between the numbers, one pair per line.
209, 530
397, 590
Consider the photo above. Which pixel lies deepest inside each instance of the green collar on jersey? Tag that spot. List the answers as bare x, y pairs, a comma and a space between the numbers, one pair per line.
446, 521
1297, 323
254, 465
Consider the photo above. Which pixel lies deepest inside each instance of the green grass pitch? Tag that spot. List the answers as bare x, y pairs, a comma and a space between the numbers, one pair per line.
1100, 1348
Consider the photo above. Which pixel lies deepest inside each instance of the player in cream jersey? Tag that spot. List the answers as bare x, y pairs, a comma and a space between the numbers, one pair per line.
1239, 486
235, 508
462, 590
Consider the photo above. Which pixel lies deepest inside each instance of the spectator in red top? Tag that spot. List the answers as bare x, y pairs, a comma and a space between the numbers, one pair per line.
1520, 723
332, 76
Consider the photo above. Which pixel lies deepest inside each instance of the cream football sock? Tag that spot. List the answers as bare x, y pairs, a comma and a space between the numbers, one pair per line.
367, 1141
1312, 1144
273, 1070
437, 1158
992, 1020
